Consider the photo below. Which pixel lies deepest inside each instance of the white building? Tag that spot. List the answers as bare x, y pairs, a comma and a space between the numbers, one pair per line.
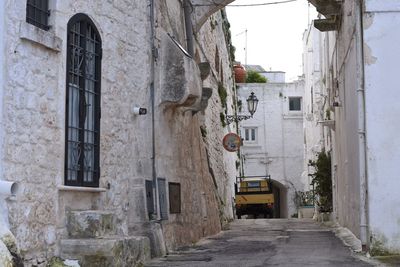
273, 138
359, 72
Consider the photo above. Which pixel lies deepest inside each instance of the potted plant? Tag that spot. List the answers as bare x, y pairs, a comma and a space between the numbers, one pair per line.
305, 204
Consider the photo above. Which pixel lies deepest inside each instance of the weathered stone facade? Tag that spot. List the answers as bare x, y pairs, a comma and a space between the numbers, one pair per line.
33, 151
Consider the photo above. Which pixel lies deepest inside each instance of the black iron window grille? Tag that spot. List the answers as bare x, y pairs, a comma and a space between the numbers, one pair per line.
83, 103
37, 13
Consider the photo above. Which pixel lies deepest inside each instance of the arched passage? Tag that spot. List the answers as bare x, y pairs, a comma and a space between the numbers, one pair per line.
280, 199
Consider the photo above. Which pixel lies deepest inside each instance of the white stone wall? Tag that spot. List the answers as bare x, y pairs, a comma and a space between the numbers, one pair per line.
210, 39
339, 67
34, 120
34, 126
200, 164
374, 72
278, 150
381, 57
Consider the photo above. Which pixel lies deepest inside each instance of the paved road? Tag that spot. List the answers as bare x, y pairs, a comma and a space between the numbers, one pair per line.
265, 242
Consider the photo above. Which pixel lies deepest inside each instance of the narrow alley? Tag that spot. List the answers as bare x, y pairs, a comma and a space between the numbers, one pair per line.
261, 242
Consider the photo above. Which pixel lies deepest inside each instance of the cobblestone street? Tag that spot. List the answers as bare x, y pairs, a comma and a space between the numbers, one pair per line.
273, 242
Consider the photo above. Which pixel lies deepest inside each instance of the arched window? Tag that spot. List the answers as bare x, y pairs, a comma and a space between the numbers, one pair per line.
83, 103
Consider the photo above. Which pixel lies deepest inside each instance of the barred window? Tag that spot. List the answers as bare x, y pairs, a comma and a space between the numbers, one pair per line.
294, 103
83, 103
37, 13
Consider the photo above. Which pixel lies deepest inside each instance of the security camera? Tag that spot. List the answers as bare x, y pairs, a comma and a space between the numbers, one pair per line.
139, 111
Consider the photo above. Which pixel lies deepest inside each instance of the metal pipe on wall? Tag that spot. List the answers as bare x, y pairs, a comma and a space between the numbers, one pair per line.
187, 9
152, 97
8, 189
364, 227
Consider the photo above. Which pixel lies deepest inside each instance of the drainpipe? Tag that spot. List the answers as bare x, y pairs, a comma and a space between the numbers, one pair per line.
187, 9
364, 227
152, 96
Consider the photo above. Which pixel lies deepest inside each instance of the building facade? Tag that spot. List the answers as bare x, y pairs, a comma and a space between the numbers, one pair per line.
273, 138
358, 57
109, 121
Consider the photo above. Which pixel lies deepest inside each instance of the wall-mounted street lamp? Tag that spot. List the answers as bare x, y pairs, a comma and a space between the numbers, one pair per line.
252, 103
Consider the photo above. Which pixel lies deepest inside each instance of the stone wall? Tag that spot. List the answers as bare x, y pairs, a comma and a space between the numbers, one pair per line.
34, 127
190, 156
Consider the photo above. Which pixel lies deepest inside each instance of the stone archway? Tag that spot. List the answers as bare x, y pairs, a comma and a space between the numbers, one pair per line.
202, 10
280, 202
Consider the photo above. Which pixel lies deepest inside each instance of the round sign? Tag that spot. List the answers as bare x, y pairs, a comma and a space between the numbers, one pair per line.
231, 142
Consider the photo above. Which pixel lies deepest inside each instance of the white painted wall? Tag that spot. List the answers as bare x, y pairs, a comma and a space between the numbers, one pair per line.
278, 150
340, 61
274, 76
314, 98
382, 57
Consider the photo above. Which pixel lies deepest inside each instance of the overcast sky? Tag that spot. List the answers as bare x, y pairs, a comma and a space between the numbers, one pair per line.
274, 34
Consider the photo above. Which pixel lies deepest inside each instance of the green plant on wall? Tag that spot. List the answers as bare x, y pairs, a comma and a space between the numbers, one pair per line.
255, 77
322, 180
223, 94
222, 117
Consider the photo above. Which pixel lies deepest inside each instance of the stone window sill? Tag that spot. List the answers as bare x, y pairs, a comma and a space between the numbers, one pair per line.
81, 189
36, 35
254, 145
298, 116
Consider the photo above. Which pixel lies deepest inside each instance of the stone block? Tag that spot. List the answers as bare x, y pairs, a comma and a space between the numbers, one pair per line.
180, 75
90, 224
119, 251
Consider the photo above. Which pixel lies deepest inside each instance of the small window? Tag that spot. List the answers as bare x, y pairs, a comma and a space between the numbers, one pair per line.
250, 134
174, 197
37, 13
295, 103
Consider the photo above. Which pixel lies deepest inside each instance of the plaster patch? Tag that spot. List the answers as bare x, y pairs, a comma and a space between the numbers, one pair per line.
369, 59
368, 20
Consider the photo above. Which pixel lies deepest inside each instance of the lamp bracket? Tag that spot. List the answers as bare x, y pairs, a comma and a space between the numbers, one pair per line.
237, 118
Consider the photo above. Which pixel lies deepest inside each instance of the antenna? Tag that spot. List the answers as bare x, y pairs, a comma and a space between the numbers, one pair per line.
245, 44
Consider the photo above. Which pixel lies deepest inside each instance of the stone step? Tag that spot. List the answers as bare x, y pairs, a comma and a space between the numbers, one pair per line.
118, 251
90, 224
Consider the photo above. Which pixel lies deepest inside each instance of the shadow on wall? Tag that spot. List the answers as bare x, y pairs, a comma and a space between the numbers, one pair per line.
280, 200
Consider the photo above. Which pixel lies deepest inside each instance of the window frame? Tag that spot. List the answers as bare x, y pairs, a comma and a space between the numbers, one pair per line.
41, 13
249, 133
82, 105
300, 103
